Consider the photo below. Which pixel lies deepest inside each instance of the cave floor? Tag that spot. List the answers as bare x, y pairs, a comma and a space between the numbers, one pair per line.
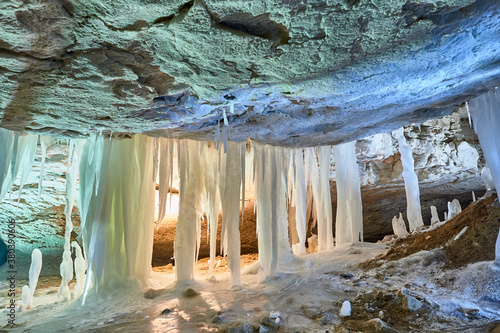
413, 294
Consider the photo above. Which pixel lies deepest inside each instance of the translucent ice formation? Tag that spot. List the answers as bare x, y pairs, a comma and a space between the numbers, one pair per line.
117, 196
413, 211
17, 153
349, 221
454, 209
485, 112
80, 268
434, 215
399, 227
34, 273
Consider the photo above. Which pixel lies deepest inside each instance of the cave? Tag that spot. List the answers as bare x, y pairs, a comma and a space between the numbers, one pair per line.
231, 166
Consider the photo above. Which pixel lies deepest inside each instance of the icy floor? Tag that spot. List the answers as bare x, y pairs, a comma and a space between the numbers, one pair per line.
308, 285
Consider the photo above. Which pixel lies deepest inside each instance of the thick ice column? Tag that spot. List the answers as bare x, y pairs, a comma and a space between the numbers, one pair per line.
299, 201
118, 197
230, 196
189, 207
166, 168
413, 211
349, 221
485, 112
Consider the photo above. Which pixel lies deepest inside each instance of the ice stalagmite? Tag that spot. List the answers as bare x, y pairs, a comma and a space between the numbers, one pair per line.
34, 273
349, 220
80, 268
413, 211
485, 112
117, 202
189, 208
434, 215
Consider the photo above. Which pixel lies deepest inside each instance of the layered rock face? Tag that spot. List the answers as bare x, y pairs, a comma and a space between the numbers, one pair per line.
297, 73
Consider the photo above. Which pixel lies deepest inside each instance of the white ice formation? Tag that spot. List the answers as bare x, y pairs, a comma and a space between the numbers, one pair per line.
454, 209
349, 220
485, 112
17, 154
34, 273
399, 227
413, 211
434, 215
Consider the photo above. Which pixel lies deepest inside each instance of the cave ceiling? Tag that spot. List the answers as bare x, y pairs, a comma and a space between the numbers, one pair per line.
289, 73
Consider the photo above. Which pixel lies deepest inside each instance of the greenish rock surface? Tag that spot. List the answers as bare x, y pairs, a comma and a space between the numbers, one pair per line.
291, 73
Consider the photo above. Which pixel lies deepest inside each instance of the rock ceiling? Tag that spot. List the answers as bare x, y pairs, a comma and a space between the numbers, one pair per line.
291, 73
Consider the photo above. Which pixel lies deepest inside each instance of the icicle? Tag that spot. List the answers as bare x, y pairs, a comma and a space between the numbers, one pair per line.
166, 161
468, 114
17, 153
44, 143
413, 211
349, 221
473, 196
226, 123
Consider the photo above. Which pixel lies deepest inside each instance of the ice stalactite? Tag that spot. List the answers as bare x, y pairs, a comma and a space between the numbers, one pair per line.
299, 193
166, 170
349, 220
45, 142
413, 210
485, 112
270, 170
117, 196
66, 268
17, 154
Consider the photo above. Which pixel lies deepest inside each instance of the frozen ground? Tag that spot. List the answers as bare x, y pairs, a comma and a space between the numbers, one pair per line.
413, 294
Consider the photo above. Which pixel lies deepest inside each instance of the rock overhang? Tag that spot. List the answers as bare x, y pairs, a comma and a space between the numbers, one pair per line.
301, 74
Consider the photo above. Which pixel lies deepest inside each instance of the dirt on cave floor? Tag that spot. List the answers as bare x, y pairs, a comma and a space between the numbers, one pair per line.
482, 222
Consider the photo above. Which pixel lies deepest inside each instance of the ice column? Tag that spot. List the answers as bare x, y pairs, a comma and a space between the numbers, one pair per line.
349, 220
66, 268
230, 195
270, 167
189, 209
117, 196
485, 112
299, 200
413, 212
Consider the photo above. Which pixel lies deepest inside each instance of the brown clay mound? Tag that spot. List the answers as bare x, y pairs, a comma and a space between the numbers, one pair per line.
482, 220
